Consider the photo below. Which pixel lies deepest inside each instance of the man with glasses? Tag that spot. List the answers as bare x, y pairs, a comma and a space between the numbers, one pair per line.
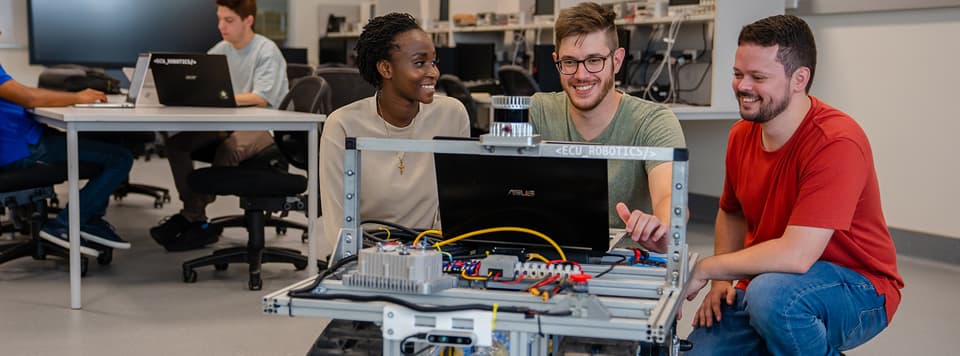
590, 110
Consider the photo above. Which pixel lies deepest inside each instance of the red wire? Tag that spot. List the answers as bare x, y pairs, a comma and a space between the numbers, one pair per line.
514, 281
546, 281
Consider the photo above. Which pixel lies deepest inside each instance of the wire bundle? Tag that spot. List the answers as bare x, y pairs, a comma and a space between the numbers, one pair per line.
667, 61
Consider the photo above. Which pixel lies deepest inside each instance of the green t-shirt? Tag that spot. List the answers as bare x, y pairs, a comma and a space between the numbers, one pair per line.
637, 122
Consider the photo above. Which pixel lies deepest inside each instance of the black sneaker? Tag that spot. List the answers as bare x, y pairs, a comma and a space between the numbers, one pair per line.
169, 229
198, 235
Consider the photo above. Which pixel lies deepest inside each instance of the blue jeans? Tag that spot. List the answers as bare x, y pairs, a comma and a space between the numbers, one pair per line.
822, 312
114, 160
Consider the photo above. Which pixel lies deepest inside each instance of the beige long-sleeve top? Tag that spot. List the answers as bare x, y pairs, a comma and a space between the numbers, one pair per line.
409, 199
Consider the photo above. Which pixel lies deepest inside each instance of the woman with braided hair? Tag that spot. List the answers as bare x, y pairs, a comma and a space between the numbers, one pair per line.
399, 59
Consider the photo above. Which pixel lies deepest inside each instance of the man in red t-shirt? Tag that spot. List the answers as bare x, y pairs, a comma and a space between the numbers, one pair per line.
800, 224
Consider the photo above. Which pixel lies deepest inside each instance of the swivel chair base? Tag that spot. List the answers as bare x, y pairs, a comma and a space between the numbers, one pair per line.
160, 195
42, 249
25, 198
278, 222
254, 254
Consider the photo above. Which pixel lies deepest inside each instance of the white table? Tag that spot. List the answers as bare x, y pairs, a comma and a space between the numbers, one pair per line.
74, 120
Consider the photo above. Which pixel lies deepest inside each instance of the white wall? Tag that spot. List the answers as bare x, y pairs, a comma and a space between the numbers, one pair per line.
896, 73
14, 52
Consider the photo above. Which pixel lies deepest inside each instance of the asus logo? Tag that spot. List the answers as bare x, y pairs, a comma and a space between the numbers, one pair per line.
522, 193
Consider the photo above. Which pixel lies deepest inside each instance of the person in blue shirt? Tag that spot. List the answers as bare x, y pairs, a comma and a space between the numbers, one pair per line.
24, 142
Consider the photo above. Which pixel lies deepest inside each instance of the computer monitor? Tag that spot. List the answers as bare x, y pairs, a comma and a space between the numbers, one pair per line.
333, 50
543, 8
294, 55
444, 8
545, 71
447, 60
563, 198
476, 61
624, 36
111, 33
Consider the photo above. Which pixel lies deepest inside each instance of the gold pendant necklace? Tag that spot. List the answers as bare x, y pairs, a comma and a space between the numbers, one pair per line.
386, 128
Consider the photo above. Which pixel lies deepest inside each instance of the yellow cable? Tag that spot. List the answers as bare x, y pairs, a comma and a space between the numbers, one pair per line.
537, 256
563, 256
388, 232
463, 273
493, 321
422, 234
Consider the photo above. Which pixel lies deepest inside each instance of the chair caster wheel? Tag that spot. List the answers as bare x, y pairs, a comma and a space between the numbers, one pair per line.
166, 197
158, 204
189, 276
300, 266
105, 257
304, 237
281, 230
221, 266
255, 283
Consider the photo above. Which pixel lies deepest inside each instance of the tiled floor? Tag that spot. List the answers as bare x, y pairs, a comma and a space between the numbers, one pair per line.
138, 306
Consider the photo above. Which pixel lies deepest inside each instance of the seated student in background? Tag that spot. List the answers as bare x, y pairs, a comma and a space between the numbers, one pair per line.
24, 142
399, 59
258, 73
590, 110
800, 224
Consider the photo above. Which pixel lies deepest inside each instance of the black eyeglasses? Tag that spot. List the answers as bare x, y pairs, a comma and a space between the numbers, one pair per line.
591, 64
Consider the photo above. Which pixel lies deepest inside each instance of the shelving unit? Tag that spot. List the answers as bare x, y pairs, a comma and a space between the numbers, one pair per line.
724, 21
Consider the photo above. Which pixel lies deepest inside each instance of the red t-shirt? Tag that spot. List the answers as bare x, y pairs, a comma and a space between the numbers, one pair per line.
822, 177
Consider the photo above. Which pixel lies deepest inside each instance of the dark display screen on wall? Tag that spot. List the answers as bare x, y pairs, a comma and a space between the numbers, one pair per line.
110, 33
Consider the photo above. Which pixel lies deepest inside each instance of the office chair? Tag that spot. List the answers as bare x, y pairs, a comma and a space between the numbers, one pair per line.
24, 194
137, 143
263, 190
454, 87
517, 81
346, 86
298, 70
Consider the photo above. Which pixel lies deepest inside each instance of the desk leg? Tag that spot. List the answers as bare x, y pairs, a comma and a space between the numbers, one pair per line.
312, 178
73, 175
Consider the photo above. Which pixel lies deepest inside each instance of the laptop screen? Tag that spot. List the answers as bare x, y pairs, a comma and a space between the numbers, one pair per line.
563, 198
138, 78
187, 79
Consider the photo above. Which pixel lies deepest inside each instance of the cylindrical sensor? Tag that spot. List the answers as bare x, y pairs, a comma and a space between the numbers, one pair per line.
511, 116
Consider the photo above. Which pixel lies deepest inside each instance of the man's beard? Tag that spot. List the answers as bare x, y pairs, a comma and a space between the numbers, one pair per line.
605, 88
766, 112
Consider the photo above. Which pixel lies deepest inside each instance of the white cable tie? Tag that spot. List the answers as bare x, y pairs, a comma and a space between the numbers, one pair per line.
669, 40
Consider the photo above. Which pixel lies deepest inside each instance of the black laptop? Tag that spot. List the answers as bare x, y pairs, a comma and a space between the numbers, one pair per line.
563, 198
189, 79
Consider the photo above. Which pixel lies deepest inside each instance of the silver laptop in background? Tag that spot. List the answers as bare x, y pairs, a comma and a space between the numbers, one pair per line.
142, 91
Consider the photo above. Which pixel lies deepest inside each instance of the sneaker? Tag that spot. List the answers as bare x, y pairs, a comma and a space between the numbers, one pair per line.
198, 235
57, 233
100, 231
169, 229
